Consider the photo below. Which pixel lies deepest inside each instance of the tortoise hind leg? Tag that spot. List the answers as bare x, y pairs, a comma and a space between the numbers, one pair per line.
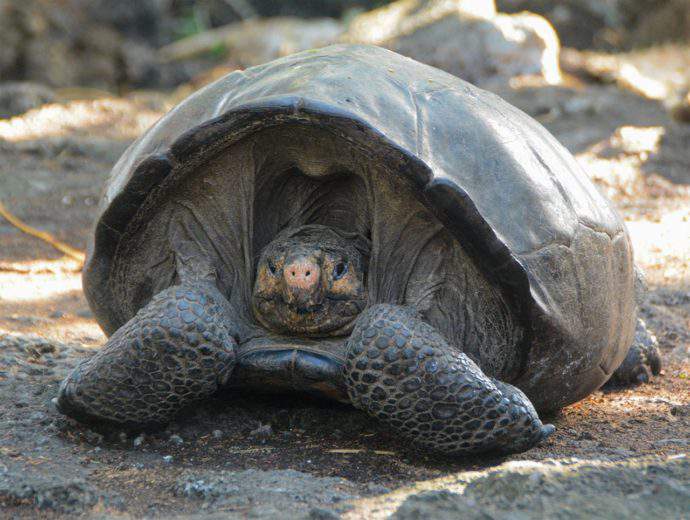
401, 370
643, 360
176, 350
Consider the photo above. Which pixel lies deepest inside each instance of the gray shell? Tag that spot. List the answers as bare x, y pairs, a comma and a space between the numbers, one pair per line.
497, 180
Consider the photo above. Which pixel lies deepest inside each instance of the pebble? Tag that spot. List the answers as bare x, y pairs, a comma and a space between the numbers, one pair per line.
168, 459
262, 432
377, 489
42, 440
93, 437
217, 434
175, 439
38, 416
138, 440
319, 513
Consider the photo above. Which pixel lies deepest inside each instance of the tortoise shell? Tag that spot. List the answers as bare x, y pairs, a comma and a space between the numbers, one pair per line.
516, 200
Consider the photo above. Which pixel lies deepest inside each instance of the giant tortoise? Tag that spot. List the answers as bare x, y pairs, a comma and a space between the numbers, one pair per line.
350, 222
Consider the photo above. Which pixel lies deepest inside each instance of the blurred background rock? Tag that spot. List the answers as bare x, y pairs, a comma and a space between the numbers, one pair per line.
112, 44
123, 45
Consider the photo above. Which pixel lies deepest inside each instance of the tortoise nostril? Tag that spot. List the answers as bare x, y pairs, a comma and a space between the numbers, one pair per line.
302, 274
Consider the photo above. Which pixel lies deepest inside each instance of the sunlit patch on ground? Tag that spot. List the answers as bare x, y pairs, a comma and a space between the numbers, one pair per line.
662, 246
654, 72
110, 118
46, 298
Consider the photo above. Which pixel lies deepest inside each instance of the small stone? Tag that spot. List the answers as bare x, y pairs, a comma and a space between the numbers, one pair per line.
138, 440
175, 439
95, 438
319, 513
42, 440
38, 416
217, 434
264, 431
168, 459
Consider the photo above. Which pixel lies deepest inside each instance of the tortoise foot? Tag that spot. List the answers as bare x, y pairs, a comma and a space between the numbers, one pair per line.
176, 350
642, 361
402, 371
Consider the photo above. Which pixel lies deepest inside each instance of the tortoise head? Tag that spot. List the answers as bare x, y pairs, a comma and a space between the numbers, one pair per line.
310, 281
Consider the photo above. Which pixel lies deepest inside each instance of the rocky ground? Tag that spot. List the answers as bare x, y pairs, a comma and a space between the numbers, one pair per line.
617, 453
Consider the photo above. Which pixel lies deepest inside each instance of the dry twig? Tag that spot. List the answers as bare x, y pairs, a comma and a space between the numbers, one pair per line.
43, 235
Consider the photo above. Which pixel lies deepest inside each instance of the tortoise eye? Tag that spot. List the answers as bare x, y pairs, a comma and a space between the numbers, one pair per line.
271, 266
339, 270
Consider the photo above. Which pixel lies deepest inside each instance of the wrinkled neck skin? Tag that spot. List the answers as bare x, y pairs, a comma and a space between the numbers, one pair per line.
311, 282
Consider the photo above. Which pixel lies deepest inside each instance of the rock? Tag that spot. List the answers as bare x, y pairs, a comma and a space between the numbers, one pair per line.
266, 494
463, 37
377, 489
263, 431
439, 505
581, 24
650, 23
77, 42
17, 97
679, 107
610, 24
175, 439
93, 437
643, 488
257, 41
137, 19
65, 496
319, 513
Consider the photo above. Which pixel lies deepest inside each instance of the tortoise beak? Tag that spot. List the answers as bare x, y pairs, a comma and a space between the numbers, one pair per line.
302, 283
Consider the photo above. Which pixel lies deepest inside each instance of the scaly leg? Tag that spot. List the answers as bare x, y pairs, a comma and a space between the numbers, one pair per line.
176, 350
643, 360
402, 371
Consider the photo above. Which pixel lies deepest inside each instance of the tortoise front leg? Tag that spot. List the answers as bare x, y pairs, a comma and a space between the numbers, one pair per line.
176, 350
402, 371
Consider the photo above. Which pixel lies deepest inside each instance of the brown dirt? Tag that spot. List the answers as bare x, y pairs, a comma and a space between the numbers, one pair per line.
51, 173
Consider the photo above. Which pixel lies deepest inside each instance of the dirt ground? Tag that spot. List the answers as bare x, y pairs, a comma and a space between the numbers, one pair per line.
53, 162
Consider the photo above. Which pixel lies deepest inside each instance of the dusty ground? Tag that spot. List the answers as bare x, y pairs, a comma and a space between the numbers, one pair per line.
53, 162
